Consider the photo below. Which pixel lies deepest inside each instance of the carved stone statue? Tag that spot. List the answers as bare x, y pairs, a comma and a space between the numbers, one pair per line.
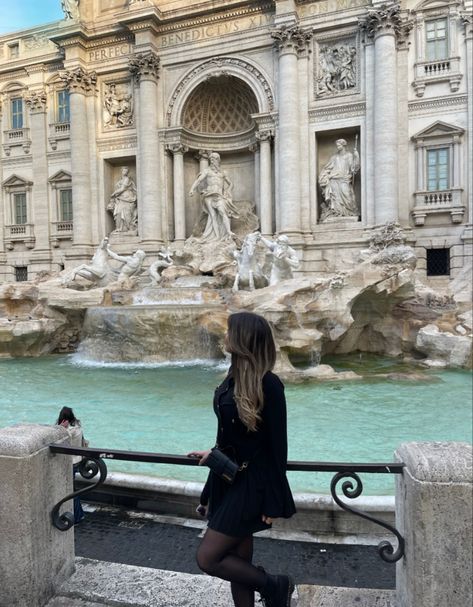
164, 261
117, 107
336, 181
216, 189
123, 204
97, 272
283, 259
249, 273
70, 8
337, 69
131, 263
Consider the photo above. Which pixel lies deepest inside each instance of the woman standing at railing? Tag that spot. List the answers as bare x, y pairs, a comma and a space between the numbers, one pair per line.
251, 409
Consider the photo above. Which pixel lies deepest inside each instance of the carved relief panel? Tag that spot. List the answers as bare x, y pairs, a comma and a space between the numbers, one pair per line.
336, 66
117, 105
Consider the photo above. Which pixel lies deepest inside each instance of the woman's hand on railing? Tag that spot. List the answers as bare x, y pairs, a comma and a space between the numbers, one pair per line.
202, 455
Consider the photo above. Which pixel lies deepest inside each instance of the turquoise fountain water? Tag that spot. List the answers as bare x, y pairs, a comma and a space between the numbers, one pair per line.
167, 408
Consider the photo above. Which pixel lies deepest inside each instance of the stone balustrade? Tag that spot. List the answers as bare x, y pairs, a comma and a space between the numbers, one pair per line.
442, 201
16, 137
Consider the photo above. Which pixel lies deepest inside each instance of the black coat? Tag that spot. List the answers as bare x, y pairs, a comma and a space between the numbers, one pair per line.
262, 488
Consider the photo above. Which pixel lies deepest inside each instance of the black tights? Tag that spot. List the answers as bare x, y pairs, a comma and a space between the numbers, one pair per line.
229, 558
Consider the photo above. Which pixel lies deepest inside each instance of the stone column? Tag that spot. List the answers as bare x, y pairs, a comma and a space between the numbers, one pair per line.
369, 206
266, 186
386, 26
289, 41
257, 164
434, 515
36, 103
178, 150
468, 23
80, 83
145, 68
35, 558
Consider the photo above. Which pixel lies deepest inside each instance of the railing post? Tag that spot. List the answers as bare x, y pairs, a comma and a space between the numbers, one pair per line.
434, 514
35, 558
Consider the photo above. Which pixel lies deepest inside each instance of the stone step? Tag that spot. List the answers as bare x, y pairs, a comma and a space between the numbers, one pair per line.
103, 584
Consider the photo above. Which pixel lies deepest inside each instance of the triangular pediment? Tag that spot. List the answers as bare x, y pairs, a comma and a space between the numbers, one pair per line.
60, 176
16, 181
439, 129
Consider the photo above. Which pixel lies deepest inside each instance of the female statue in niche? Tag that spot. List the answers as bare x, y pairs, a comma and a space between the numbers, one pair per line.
123, 204
336, 180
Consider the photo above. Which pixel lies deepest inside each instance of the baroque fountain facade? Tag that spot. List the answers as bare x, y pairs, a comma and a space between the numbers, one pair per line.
165, 167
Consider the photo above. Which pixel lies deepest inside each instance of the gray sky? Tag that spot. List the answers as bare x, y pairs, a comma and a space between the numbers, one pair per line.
20, 14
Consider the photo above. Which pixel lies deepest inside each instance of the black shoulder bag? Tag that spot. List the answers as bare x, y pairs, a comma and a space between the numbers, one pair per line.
223, 466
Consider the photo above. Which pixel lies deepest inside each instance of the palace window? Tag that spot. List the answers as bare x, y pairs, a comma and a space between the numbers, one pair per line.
65, 204
17, 113
436, 39
438, 169
20, 208
438, 161
438, 262
63, 107
21, 273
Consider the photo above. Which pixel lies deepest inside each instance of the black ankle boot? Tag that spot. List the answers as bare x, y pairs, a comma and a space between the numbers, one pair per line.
277, 591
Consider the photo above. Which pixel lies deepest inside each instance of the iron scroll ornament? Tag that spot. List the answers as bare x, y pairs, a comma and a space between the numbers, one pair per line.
88, 468
385, 549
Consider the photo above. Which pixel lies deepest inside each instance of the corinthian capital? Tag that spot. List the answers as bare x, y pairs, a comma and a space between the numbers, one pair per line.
79, 81
291, 38
36, 101
144, 66
387, 19
264, 134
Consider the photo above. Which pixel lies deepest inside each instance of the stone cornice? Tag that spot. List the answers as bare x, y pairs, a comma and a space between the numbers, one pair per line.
214, 18
441, 102
144, 66
387, 19
36, 101
291, 39
337, 111
117, 143
79, 80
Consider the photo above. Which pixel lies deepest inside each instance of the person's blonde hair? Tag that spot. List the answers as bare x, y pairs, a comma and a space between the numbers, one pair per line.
251, 344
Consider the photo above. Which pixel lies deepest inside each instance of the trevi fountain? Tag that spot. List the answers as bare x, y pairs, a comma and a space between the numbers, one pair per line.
135, 344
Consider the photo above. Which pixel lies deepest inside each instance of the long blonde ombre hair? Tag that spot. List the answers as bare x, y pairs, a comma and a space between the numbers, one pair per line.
250, 341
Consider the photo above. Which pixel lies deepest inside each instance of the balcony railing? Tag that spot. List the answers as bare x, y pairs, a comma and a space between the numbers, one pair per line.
93, 463
61, 230
427, 72
16, 137
440, 201
57, 132
20, 232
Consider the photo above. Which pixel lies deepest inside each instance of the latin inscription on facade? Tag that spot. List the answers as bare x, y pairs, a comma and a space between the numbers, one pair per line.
215, 30
110, 52
330, 6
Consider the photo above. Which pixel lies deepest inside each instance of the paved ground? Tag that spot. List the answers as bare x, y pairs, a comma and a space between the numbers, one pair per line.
115, 536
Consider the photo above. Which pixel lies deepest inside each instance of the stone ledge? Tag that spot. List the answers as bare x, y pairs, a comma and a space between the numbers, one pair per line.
22, 440
436, 462
99, 584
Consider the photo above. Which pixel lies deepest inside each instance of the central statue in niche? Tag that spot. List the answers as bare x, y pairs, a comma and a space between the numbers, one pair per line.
216, 190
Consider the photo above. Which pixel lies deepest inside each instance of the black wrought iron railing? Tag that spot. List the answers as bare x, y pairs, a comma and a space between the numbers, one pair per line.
93, 463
